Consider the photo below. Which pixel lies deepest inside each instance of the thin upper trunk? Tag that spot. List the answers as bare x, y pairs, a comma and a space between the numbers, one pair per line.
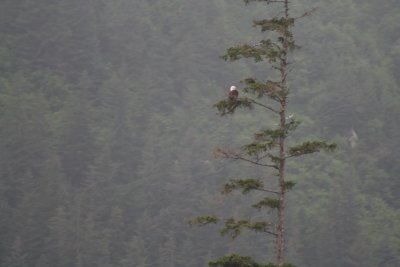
280, 239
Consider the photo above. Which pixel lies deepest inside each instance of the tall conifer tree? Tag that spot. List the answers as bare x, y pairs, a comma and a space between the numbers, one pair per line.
269, 148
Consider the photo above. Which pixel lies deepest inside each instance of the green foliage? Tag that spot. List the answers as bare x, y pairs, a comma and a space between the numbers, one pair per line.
310, 147
279, 25
245, 185
272, 203
235, 260
266, 50
254, 149
270, 88
288, 185
204, 220
233, 227
268, 139
229, 106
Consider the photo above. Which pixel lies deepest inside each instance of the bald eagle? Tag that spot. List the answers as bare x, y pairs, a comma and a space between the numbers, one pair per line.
233, 93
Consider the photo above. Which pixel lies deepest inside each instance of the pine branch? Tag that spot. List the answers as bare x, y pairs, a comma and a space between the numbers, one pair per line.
272, 89
235, 260
265, 50
280, 25
267, 140
246, 185
310, 147
266, 1
271, 203
234, 227
256, 148
229, 106
218, 152
204, 220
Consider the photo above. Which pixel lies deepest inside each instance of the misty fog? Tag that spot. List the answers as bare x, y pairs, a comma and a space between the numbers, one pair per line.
107, 132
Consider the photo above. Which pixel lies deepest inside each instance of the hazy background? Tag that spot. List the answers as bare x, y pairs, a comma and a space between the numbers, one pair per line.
107, 131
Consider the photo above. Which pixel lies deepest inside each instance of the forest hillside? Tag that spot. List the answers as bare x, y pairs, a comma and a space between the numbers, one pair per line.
107, 131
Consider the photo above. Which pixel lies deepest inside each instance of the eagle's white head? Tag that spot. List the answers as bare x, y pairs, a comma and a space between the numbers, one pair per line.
233, 88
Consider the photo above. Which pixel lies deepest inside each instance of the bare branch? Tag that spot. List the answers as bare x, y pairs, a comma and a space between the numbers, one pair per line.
267, 190
264, 106
256, 163
306, 14
271, 233
218, 152
268, 1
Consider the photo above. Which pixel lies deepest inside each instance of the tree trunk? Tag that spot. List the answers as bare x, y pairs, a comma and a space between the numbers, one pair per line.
281, 210
280, 240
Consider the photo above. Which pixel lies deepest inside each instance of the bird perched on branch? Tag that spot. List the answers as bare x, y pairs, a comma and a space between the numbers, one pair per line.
233, 93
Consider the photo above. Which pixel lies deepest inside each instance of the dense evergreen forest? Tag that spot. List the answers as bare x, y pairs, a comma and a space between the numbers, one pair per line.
107, 131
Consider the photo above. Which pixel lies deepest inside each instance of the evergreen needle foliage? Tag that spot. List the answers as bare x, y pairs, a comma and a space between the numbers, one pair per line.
245, 185
235, 260
267, 202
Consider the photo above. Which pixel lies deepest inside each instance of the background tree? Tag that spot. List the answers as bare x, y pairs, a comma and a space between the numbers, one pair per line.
105, 121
